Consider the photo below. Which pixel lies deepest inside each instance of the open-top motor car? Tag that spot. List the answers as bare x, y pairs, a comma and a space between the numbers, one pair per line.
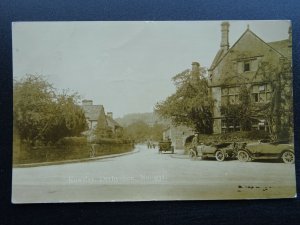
267, 150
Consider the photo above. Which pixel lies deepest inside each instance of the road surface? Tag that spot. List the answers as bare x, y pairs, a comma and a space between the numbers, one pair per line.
147, 175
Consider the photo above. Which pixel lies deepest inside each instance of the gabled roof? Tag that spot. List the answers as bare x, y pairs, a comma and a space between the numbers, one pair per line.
92, 112
282, 46
219, 57
111, 122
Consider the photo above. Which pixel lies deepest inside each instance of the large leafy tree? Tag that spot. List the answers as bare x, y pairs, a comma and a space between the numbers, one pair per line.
139, 131
42, 115
191, 104
102, 129
279, 111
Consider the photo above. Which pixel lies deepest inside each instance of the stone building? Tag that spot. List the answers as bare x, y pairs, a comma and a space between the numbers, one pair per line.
242, 64
96, 113
92, 113
177, 135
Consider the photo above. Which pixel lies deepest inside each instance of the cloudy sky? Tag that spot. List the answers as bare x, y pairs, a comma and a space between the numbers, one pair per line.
125, 66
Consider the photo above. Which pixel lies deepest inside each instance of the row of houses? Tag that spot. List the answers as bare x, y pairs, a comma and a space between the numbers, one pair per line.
240, 65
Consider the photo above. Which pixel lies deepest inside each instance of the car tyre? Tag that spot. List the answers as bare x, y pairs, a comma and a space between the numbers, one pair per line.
192, 154
288, 157
220, 156
243, 156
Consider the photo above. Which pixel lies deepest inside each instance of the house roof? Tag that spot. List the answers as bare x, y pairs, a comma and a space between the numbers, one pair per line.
111, 122
281, 47
217, 58
92, 112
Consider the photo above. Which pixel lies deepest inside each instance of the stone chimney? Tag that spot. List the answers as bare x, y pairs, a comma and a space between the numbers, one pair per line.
195, 71
110, 114
87, 102
224, 38
195, 67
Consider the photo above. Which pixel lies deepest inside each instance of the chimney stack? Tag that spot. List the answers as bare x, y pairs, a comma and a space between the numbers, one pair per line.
87, 102
110, 114
195, 67
225, 39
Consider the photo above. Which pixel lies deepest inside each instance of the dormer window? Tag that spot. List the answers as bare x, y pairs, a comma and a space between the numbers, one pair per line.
246, 66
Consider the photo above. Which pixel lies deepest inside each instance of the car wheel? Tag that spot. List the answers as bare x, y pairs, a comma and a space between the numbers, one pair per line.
220, 156
192, 154
243, 156
288, 157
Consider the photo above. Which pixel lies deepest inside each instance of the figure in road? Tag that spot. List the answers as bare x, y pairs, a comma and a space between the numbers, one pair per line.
193, 149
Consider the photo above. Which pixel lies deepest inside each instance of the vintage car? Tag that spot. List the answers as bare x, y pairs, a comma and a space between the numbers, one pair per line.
164, 146
267, 150
219, 151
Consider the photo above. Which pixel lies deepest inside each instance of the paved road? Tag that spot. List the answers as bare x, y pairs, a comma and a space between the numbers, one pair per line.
147, 175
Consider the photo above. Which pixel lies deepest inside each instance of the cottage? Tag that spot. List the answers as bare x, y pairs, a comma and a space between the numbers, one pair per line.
96, 113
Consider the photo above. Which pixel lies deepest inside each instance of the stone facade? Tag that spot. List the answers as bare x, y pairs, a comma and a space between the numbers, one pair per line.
242, 65
177, 135
94, 112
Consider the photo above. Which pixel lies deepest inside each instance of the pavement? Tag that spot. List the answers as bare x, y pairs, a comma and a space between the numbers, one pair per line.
147, 175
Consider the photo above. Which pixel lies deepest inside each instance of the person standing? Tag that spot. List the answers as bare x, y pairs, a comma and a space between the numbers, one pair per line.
194, 145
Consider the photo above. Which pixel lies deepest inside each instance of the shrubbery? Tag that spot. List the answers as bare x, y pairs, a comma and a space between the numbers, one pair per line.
72, 141
111, 141
240, 136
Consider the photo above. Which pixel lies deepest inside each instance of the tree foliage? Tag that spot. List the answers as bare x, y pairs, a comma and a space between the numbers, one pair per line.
279, 111
42, 115
191, 104
239, 114
102, 129
141, 131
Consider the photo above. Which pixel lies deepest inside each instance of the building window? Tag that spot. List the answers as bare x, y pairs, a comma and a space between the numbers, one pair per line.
260, 124
230, 95
261, 93
246, 66
229, 125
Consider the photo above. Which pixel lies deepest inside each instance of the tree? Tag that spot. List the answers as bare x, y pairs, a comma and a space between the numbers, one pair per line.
279, 111
42, 115
157, 131
139, 131
72, 117
102, 129
239, 114
191, 104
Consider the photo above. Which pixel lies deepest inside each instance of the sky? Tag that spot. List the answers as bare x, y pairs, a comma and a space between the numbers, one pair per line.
125, 66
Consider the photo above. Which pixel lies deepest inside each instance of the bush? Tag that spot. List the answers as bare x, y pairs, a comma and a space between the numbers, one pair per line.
72, 141
111, 141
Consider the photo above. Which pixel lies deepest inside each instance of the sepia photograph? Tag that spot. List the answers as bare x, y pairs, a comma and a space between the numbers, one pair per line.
109, 111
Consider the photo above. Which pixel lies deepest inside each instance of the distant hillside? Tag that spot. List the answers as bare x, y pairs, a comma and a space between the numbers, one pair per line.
149, 118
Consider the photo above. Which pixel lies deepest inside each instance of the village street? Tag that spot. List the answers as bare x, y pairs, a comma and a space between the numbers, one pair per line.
147, 175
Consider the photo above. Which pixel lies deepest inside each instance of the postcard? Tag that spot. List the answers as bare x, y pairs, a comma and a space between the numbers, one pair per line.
152, 111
